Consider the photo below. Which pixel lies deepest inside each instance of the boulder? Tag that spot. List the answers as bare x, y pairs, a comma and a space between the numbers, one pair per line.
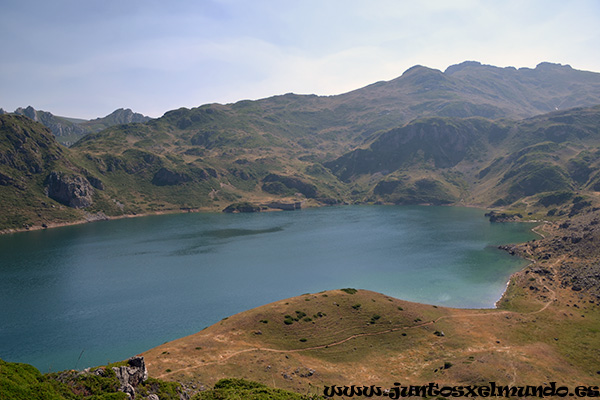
131, 375
69, 189
243, 207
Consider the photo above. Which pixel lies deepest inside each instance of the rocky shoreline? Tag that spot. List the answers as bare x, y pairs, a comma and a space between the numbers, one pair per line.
566, 259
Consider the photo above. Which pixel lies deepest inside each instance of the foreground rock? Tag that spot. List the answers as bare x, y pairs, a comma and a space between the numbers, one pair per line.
132, 375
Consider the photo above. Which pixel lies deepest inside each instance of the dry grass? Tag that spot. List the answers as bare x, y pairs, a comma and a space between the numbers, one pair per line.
543, 331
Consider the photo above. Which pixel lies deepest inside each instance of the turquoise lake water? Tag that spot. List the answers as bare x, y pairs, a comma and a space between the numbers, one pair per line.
85, 295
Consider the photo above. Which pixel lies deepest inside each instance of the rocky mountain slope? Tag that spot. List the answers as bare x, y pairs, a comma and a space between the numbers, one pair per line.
473, 134
69, 130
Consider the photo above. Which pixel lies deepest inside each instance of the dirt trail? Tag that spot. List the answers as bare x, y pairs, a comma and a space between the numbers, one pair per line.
358, 335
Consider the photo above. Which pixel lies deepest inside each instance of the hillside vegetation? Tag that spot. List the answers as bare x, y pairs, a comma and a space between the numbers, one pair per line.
474, 135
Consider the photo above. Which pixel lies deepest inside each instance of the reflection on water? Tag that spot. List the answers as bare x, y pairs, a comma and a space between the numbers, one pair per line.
230, 233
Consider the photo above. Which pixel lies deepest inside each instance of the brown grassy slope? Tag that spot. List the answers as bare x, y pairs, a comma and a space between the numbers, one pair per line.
543, 331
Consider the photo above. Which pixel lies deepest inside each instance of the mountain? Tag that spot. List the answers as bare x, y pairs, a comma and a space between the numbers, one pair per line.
29, 153
117, 117
444, 160
65, 130
69, 130
473, 134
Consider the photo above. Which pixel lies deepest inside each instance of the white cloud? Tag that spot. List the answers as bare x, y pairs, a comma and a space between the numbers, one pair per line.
154, 56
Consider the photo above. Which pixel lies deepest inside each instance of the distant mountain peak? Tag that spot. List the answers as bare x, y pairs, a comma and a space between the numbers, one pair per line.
122, 116
418, 69
458, 67
552, 66
68, 130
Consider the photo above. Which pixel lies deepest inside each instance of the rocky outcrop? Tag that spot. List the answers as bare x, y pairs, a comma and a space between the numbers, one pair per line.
281, 185
69, 130
243, 207
71, 190
95, 182
59, 126
131, 375
120, 116
502, 217
166, 177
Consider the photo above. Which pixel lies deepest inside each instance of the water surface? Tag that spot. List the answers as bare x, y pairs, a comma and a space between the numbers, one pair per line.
86, 295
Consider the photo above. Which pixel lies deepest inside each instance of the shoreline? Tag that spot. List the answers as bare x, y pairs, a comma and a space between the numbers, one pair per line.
491, 307
90, 218
100, 216
531, 262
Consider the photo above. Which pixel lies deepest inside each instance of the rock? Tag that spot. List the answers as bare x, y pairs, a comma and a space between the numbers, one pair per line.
131, 375
243, 207
510, 249
502, 217
95, 182
153, 397
166, 177
99, 216
69, 189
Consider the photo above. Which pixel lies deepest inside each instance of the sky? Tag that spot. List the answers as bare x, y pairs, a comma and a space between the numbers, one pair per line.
86, 58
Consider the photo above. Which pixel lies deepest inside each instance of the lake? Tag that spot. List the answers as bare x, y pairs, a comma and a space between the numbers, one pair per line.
86, 295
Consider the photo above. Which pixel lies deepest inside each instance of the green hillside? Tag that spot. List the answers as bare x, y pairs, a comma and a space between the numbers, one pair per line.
473, 135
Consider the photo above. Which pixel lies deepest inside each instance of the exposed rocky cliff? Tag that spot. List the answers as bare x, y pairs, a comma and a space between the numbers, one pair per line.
117, 117
69, 130
59, 126
70, 189
131, 375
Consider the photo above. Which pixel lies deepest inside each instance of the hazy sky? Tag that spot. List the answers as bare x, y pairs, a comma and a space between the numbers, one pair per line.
86, 58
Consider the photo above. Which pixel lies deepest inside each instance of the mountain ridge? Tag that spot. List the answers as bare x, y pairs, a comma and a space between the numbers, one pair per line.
472, 135
68, 130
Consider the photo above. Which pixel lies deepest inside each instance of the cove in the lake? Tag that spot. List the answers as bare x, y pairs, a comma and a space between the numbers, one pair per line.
85, 295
